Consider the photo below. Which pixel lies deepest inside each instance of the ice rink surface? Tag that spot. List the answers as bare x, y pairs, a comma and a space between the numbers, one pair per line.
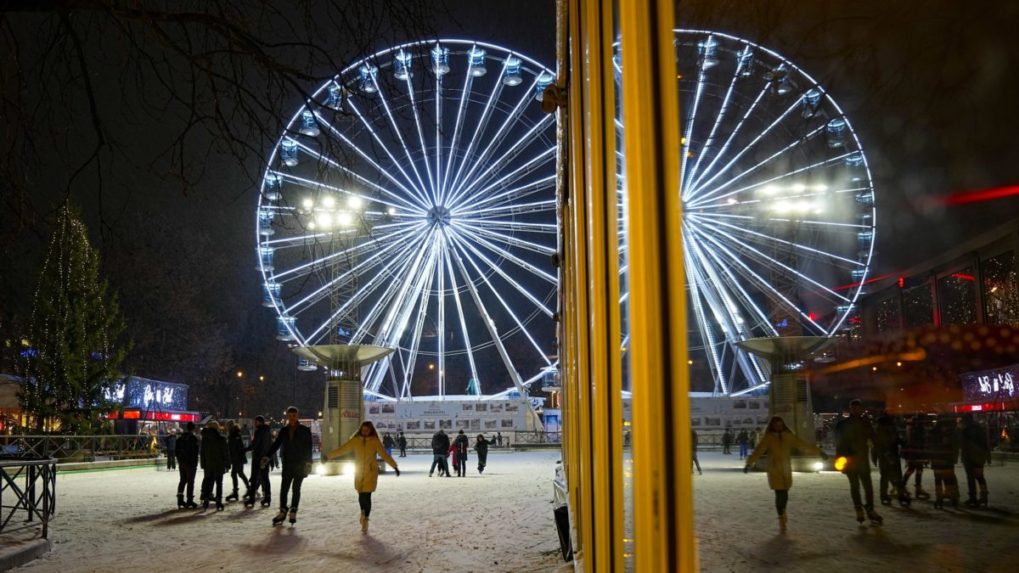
500, 521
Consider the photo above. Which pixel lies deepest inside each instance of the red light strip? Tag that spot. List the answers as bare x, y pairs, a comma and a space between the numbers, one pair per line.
982, 195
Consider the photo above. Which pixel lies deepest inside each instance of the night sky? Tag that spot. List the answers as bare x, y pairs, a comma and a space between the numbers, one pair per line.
929, 85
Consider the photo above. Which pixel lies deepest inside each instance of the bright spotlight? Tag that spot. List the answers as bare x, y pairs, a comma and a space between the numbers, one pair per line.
769, 189
307, 203
344, 219
324, 220
320, 470
391, 211
732, 201
798, 188
328, 201
820, 188
348, 468
311, 225
818, 466
355, 202
840, 463
781, 207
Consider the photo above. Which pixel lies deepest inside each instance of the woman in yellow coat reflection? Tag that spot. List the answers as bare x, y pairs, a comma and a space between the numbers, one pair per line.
365, 445
778, 442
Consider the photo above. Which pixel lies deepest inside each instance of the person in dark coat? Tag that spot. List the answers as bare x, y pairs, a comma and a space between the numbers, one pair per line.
886, 455
401, 441
743, 439
693, 452
215, 458
187, 466
481, 446
853, 438
943, 447
261, 441
238, 459
976, 453
388, 443
295, 440
440, 448
915, 454
170, 441
462, 444
727, 441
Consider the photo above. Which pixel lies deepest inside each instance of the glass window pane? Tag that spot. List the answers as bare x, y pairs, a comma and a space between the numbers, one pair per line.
917, 306
888, 316
957, 297
1001, 295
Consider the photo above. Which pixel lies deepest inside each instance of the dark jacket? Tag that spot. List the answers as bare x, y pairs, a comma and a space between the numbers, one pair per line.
296, 449
975, 449
215, 457
260, 443
402, 441
238, 458
440, 443
171, 442
481, 446
851, 437
187, 448
462, 444
387, 441
943, 444
886, 439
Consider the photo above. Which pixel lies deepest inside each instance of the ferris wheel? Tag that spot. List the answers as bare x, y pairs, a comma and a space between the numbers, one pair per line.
778, 205
410, 204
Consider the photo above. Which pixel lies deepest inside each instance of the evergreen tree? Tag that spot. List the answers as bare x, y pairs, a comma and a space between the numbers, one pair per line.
74, 358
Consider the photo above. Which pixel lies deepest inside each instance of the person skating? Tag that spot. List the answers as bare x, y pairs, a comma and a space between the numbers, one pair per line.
187, 466
854, 435
886, 455
915, 454
693, 451
365, 445
215, 459
778, 443
261, 442
976, 453
238, 459
461, 444
170, 441
440, 449
295, 439
943, 440
388, 442
481, 446
401, 441
727, 441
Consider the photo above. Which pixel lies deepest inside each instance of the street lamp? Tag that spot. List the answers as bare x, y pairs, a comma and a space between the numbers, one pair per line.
240, 374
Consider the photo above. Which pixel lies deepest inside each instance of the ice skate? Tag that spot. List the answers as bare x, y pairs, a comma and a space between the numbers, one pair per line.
191, 504
364, 524
266, 502
971, 502
249, 501
860, 515
233, 496
293, 516
886, 499
921, 493
783, 522
983, 498
904, 499
219, 504
873, 516
205, 504
280, 517
180, 502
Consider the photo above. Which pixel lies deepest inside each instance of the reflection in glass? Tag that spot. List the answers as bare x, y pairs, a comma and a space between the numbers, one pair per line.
957, 297
917, 306
1001, 296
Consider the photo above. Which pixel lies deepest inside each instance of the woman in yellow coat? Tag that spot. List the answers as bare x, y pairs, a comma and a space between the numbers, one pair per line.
365, 445
778, 442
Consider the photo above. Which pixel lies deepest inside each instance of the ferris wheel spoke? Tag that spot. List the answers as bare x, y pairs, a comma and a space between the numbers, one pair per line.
520, 192
479, 128
511, 241
399, 135
507, 255
515, 209
695, 184
725, 168
764, 284
455, 288
687, 141
421, 137
457, 133
722, 114
469, 248
758, 184
440, 274
316, 186
506, 307
497, 138
404, 203
763, 238
399, 311
421, 301
704, 197
307, 267
382, 303
511, 225
525, 169
472, 182
706, 331
771, 262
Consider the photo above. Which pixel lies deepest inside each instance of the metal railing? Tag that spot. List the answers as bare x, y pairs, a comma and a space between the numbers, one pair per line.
79, 448
28, 487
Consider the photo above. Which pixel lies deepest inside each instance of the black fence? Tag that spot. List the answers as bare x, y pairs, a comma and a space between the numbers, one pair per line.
28, 493
80, 448
509, 439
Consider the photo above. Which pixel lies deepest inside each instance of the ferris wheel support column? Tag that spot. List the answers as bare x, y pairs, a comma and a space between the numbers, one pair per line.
343, 407
789, 394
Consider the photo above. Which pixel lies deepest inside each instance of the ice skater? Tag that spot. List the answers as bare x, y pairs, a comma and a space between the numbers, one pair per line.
727, 441
778, 442
215, 462
915, 454
743, 440
388, 442
261, 441
187, 466
886, 455
365, 445
295, 439
944, 452
693, 452
461, 444
401, 441
481, 446
170, 441
238, 459
440, 449
976, 452
853, 436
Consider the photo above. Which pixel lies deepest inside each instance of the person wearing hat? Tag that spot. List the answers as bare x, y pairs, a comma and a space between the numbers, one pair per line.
854, 435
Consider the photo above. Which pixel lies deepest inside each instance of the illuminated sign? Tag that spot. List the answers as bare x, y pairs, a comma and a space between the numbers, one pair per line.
998, 385
146, 394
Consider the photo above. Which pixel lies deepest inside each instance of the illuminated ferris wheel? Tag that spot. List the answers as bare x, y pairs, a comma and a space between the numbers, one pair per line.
779, 217
410, 204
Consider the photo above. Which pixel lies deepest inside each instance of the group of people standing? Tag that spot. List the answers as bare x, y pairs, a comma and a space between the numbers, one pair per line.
860, 443
443, 449
744, 439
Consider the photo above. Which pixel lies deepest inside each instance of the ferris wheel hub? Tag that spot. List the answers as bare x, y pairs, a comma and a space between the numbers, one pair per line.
438, 216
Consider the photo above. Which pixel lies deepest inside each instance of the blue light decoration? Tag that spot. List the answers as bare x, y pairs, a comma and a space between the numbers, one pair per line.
335, 97
288, 152
836, 132
367, 78
265, 256
440, 60
402, 66
707, 53
271, 187
305, 365
810, 103
309, 126
511, 75
476, 62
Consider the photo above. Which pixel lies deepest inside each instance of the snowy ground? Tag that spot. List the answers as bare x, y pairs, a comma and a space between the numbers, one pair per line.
501, 521
738, 530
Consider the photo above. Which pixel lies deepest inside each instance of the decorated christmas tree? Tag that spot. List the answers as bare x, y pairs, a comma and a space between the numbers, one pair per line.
72, 360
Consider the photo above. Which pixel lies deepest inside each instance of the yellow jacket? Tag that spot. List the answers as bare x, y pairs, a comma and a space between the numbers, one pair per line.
366, 469
779, 448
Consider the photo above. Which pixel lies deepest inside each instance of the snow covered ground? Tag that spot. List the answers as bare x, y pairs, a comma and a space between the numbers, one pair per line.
501, 521
738, 530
